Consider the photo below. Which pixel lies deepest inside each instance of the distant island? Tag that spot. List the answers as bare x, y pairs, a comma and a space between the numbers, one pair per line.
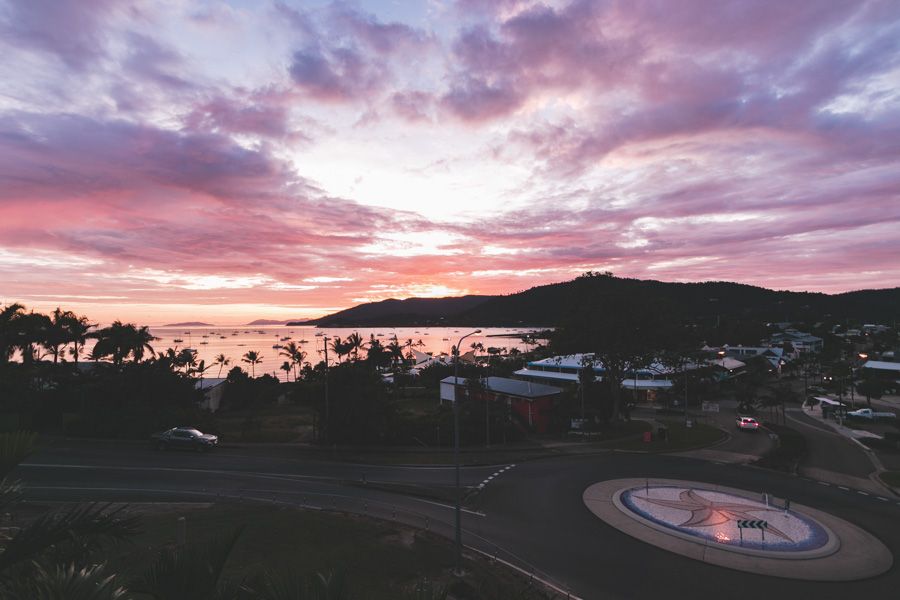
270, 322
189, 324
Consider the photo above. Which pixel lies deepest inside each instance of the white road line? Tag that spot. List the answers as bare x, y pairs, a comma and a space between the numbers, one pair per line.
862, 492
559, 590
846, 489
882, 499
268, 498
823, 483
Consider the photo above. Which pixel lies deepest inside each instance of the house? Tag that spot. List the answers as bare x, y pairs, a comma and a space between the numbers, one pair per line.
213, 389
644, 382
773, 354
802, 342
531, 402
887, 372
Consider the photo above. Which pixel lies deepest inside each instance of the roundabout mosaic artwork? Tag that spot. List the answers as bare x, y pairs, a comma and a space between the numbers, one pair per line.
701, 521
714, 516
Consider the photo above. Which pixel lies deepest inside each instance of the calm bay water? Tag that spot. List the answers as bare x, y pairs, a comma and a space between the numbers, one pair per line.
234, 342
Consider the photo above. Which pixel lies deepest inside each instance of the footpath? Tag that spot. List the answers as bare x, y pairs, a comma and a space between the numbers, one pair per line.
872, 483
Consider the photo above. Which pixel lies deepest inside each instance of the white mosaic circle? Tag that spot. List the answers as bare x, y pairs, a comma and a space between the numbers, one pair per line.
715, 516
700, 521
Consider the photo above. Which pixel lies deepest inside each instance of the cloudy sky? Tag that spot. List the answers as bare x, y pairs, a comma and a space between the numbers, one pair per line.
169, 159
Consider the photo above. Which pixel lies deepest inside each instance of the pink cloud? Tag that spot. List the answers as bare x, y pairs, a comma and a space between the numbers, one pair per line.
755, 142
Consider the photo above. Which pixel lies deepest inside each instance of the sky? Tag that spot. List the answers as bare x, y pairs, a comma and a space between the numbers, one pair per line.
168, 160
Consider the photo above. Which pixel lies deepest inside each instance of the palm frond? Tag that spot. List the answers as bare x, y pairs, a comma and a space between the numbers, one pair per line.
66, 582
14, 447
331, 585
427, 590
192, 573
85, 528
10, 492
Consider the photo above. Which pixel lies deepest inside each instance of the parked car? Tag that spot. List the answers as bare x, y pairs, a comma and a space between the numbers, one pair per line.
747, 424
186, 438
869, 414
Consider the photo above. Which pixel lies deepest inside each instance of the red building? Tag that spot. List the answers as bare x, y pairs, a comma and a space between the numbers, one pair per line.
531, 402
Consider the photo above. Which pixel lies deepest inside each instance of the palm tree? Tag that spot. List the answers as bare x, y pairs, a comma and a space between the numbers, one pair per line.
186, 359
286, 367
77, 326
252, 358
9, 329
395, 350
339, 347
222, 361
121, 340
37, 558
58, 336
296, 355
354, 344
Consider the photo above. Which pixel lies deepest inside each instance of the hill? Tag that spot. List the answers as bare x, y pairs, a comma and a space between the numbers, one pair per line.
411, 311
268, 322
189, 324
544, 305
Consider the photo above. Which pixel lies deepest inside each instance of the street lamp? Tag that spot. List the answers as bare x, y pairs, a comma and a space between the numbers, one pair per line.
458, 510
864, 356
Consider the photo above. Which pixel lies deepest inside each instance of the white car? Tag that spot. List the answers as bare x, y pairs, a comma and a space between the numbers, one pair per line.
747, 424
868, 413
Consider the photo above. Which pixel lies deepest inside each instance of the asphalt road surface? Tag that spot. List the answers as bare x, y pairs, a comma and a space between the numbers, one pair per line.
530, 514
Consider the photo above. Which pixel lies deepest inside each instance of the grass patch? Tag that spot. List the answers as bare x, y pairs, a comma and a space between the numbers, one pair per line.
891, 478
381, 560
679, 438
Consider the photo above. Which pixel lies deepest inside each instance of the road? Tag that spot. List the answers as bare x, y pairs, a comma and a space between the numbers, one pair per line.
530, 514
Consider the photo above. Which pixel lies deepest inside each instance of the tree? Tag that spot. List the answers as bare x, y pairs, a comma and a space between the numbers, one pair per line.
54, 555
252, 358
121, 340
339, 347
620, 332
286, 367
376, 354
222, 361
295, 355
78, 328
32, 330
9, 331
354, 344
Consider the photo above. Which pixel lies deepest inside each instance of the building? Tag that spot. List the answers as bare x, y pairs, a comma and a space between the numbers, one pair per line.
774, 354
213, 389
645, 383
531, 403
801, 342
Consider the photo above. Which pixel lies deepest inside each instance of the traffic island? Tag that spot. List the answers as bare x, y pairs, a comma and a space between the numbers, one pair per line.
738, 529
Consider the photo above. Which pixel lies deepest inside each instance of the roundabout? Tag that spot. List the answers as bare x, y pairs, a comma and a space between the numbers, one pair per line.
738, 529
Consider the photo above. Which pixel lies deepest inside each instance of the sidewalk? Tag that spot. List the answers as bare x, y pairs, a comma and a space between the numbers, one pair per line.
873, 483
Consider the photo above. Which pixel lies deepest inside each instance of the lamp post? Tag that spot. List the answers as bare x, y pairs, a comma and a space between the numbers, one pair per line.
458, 510
864, 356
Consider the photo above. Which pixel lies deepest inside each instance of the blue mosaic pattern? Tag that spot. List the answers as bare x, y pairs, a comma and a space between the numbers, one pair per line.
713, 516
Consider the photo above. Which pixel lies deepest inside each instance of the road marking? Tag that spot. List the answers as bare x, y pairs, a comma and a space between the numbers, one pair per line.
491, 477
823, 483
268, 498
559, 590
862, 492
846, 489
882, 499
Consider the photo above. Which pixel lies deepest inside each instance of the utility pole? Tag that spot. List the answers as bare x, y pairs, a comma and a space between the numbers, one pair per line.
458, 571
327, 428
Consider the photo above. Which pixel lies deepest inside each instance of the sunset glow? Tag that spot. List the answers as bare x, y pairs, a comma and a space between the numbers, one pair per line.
229, 161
